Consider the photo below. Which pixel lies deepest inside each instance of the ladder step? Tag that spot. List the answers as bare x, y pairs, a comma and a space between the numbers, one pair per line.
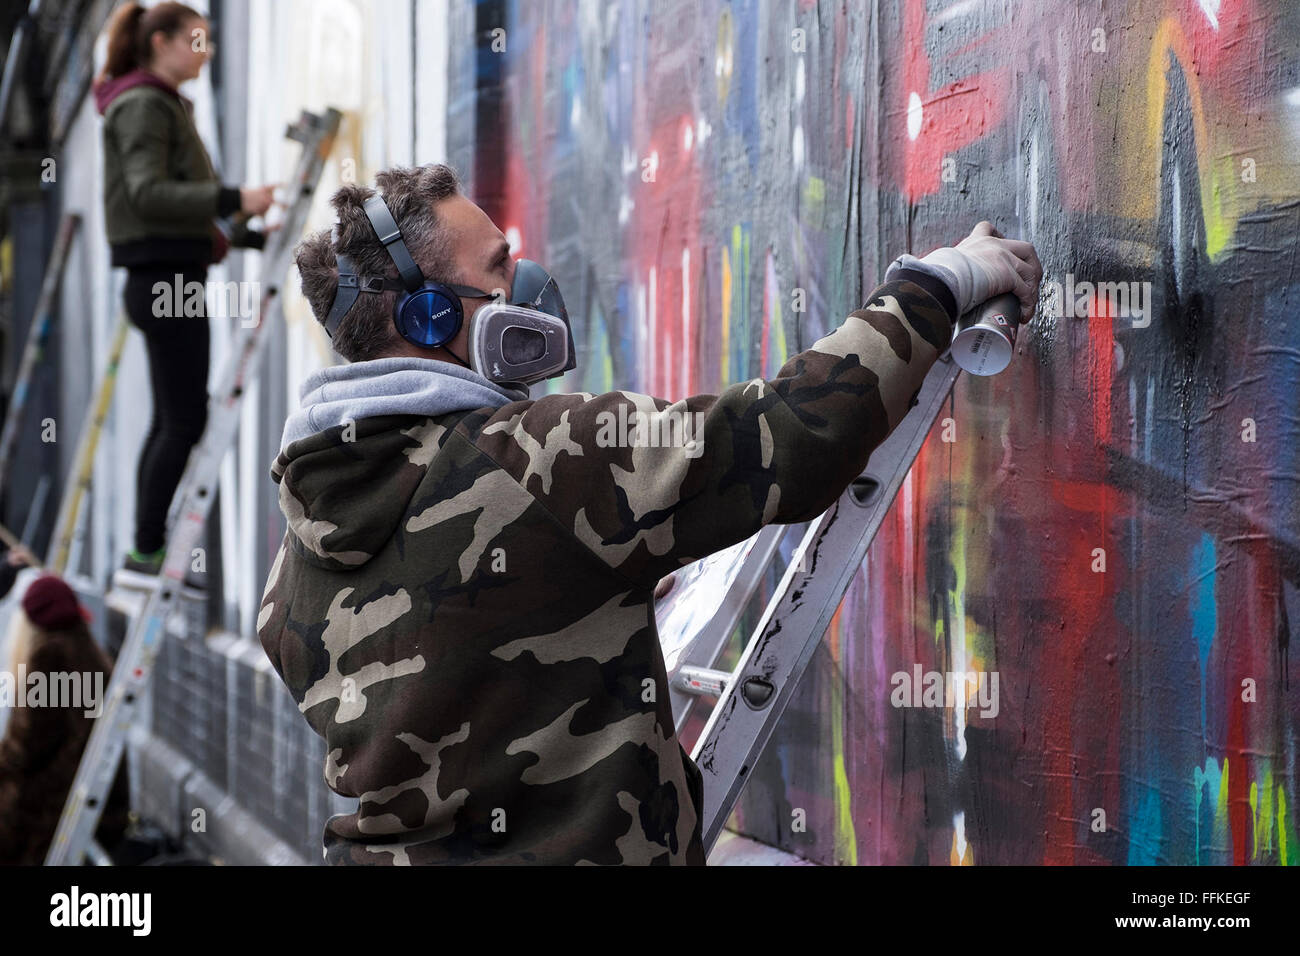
701, 681
137, 582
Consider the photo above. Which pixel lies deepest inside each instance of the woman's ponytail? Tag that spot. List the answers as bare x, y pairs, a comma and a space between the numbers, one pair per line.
122, 46
129, 32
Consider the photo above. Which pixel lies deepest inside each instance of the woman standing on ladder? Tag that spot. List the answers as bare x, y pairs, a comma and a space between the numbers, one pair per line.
161, 200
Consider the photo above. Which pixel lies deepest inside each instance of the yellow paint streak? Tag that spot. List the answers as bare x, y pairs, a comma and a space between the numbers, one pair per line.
814, 200
1216, 193
1261, 813
957, 609
726, 312
736, 272
1281, 825
1221, 830
846, 840
1253, 800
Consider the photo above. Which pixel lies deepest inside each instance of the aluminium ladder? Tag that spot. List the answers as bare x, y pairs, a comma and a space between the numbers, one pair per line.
83, 466
188, 517
753, 696
37, 335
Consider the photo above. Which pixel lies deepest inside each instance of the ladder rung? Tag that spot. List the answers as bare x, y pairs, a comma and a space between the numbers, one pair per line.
701, 681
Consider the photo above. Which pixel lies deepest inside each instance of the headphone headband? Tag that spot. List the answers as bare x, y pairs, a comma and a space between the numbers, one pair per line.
385, 226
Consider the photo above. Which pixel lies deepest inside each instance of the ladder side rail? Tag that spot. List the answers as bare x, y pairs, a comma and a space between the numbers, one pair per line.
800, 610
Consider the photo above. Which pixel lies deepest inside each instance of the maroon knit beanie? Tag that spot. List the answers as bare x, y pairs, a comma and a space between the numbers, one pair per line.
51, 605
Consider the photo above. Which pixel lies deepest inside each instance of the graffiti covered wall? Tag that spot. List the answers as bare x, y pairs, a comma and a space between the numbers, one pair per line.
1109, 527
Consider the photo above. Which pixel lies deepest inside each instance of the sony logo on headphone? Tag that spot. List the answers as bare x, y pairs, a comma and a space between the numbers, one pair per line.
442, 313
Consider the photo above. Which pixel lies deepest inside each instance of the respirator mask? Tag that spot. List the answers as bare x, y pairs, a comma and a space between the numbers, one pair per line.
521, 338
525, 337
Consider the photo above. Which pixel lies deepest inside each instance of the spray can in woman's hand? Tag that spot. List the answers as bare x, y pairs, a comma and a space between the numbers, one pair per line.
985, 337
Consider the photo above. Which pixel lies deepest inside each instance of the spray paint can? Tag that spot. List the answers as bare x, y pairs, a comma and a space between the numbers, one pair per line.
985, 337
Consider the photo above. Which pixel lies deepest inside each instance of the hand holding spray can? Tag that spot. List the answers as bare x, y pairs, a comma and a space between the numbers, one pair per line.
985, 337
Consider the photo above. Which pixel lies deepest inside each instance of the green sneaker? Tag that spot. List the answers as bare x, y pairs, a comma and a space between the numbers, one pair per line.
143, 572
145, 563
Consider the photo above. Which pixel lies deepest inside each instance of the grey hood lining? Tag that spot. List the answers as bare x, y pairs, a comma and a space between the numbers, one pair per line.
390, 386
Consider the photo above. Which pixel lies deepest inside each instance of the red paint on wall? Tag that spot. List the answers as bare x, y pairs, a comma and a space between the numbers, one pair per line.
953, 116
1101, 352
665, 219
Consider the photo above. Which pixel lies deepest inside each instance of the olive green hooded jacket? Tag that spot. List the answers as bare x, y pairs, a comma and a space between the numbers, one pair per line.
161, 193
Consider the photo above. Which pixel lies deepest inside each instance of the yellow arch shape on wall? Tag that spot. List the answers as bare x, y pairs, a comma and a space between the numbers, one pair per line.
1215, 186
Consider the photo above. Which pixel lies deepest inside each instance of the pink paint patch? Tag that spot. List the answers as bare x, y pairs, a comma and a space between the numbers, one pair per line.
951, 118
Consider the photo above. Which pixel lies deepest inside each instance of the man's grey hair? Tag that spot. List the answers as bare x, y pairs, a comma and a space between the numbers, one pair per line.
411, 194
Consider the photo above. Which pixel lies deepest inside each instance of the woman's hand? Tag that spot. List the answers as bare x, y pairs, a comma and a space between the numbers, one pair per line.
255, 200
19, 555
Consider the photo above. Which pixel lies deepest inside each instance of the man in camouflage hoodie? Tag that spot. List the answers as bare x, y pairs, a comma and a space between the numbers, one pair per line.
463, 603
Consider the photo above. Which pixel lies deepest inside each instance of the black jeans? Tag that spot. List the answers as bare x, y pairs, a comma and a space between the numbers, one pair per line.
177, 344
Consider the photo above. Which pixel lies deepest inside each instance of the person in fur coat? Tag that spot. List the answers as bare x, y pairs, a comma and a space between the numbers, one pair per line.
42, 744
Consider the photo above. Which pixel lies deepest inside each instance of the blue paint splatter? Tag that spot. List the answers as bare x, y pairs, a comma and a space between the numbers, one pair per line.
1204, 611
1146, 837
1211, 778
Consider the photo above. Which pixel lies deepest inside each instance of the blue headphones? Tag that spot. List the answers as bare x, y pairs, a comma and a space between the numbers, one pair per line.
427, 314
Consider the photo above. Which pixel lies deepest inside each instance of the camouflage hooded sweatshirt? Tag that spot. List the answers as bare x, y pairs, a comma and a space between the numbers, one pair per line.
462, 605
